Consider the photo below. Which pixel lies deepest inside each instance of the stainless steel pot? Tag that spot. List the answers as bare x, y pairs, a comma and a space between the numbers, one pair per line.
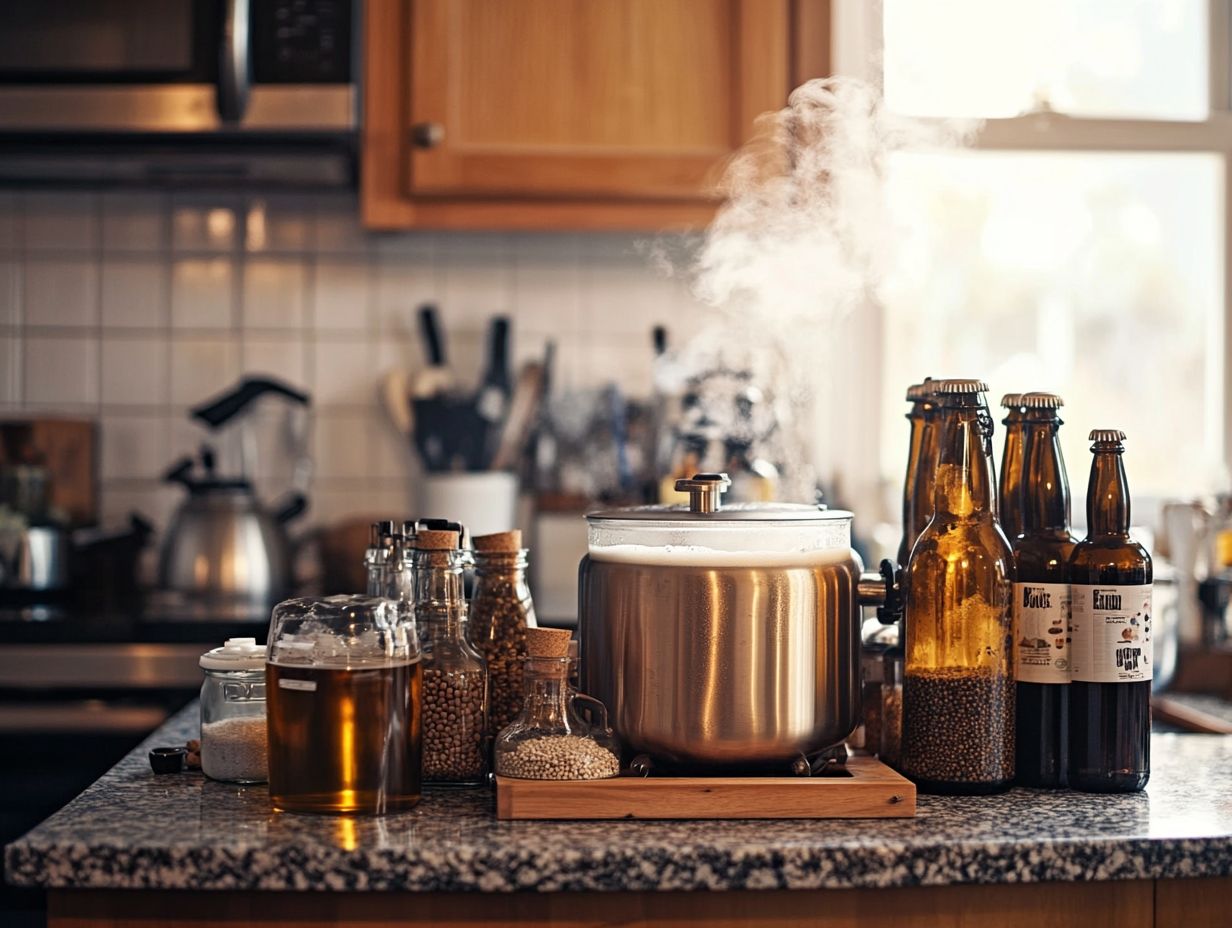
725, 637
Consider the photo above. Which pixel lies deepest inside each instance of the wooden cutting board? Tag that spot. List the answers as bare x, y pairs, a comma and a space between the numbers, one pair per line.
870, 790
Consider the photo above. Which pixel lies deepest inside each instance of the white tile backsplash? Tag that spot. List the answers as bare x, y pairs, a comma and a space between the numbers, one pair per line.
61, 221
136, 306
274, 294
343, 371
202, 366
277, 224
340, 295
278, 356
201, 293
205, 223
61, 370
134, 446
135, 222
61, 292
135, 293
135, 370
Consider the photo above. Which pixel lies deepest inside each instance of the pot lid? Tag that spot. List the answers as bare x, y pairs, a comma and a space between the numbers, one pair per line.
235, 654
705, 506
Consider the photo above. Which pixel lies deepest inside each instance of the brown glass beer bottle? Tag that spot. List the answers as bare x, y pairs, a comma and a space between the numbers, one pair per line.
1009, 497
958, 686
1041, 599
1110, 626
919, 395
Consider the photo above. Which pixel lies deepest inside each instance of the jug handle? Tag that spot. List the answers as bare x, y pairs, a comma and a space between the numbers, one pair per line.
590, 704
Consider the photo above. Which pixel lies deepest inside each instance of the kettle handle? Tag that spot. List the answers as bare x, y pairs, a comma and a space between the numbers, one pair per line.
179, 473
883, 590
215, 412
295, 505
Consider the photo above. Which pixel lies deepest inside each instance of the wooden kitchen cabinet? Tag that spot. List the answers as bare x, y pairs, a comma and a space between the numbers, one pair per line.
570, 113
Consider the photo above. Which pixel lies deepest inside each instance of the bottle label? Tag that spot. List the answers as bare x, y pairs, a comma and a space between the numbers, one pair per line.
1110, 627
1041, 636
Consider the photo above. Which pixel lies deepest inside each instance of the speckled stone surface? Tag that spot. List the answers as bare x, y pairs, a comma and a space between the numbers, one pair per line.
132, 830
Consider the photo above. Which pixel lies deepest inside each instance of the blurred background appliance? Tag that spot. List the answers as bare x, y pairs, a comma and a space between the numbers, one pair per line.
199, 92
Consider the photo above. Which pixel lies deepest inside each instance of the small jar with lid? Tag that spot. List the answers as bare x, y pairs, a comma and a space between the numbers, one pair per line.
455, 704
549, 740
233, 739
501, 612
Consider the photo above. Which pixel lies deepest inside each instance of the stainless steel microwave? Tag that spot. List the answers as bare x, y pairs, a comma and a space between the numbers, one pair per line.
179, 93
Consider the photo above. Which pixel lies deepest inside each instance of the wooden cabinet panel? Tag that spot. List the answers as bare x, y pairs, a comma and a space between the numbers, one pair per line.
638, 99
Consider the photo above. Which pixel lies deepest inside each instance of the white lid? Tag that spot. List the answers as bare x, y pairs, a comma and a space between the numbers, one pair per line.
235, 654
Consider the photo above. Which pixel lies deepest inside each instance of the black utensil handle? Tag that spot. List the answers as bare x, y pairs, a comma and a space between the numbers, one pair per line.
296, 505
216, 411
430, 328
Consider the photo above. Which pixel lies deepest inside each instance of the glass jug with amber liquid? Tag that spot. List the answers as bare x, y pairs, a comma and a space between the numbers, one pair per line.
958, 684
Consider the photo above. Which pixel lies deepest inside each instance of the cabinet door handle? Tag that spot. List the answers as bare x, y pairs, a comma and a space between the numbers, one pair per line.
427, 134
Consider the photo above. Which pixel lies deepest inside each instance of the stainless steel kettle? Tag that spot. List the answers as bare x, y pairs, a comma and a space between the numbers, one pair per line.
227, 556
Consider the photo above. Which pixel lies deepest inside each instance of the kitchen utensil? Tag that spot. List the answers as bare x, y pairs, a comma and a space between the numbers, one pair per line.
495, 387
523, 411
862, 788
396, 398
436, 378
226, 554
726, 637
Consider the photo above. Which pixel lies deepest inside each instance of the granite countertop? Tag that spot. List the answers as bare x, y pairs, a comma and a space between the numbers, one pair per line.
135, 830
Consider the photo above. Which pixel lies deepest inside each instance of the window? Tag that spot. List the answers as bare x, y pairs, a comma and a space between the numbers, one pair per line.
1079, 244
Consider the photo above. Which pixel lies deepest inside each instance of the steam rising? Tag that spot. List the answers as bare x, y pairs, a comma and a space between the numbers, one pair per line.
804, 237
805, 234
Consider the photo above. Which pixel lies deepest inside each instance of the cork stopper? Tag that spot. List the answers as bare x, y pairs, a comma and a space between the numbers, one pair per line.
429, 540
499, 543
548, 642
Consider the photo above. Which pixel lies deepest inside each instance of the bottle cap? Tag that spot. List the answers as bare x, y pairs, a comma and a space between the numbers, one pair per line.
435, 540
1042, 401
548, 642
949, 387
1098, 435
498, 543
235, 654
168, 760
921, 391
1012, 400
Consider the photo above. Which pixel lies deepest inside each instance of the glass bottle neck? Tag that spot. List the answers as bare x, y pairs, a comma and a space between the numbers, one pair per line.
926, 472
1046, 498
964, 481
1108, 494
438, 587
502, 569
547, 692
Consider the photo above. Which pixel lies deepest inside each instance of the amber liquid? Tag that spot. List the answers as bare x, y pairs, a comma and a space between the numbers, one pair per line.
344, 740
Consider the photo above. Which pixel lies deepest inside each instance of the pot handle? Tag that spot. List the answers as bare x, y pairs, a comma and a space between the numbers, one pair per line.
883, 590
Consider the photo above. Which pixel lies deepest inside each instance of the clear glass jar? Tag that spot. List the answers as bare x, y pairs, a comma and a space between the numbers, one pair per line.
233, 739
549, 740
344, 685
501, 611
455, 698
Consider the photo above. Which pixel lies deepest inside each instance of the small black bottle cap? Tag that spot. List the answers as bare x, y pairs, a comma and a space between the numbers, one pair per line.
167, 760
